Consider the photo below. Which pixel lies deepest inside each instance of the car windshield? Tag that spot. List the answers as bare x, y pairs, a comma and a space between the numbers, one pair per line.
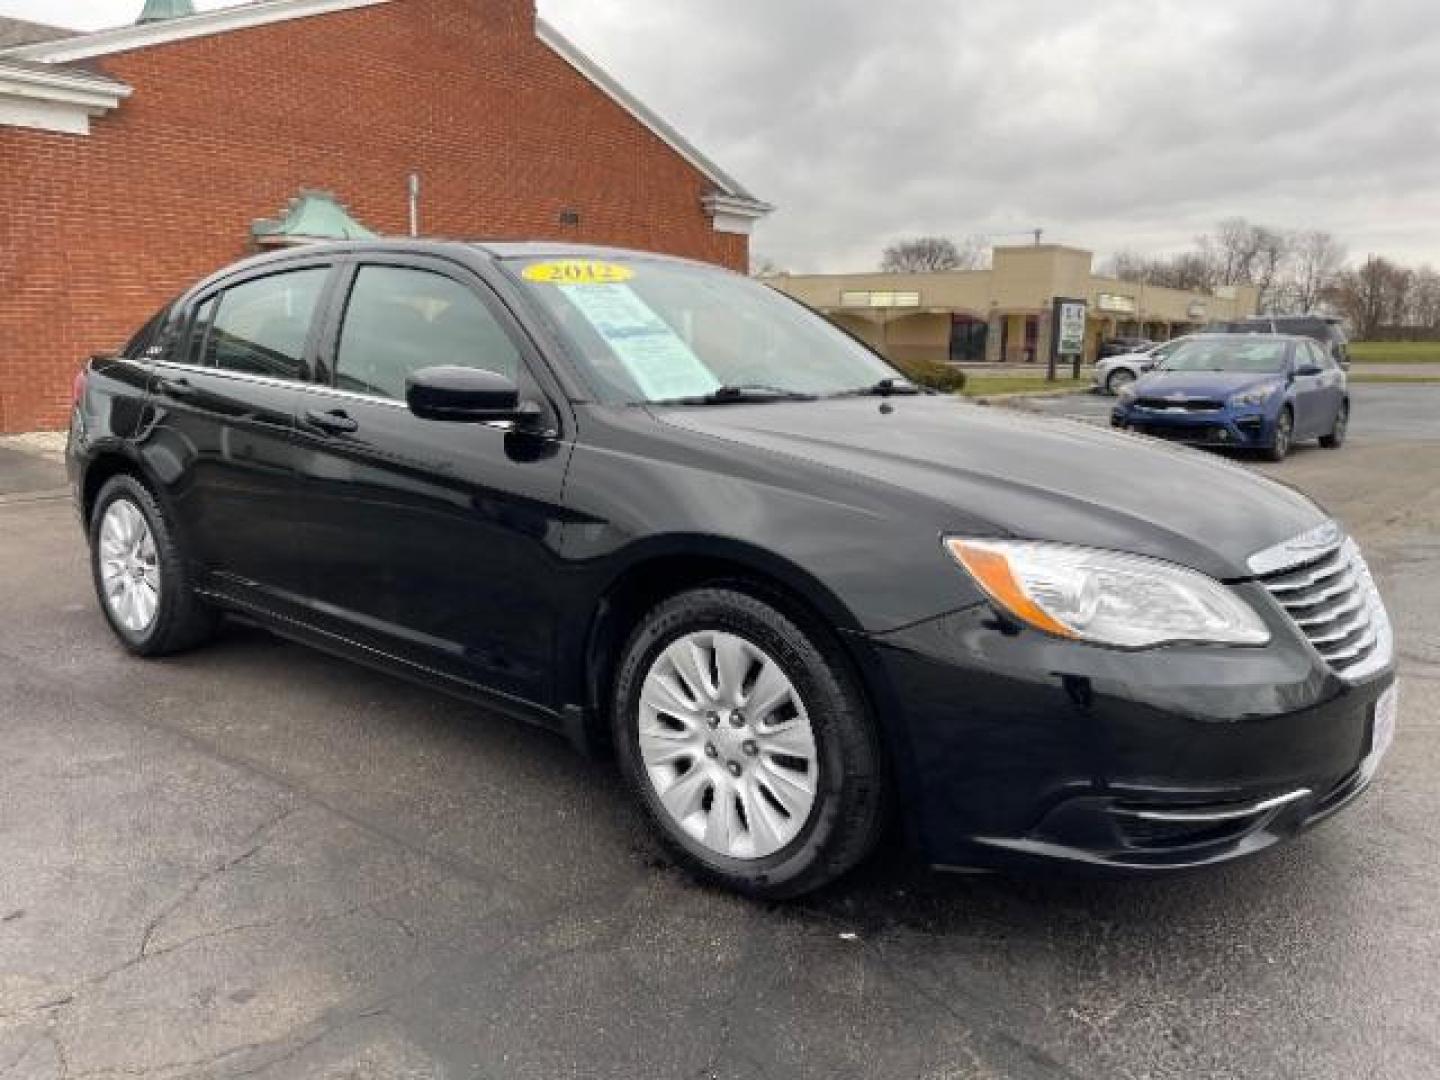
1254, 355
647, 330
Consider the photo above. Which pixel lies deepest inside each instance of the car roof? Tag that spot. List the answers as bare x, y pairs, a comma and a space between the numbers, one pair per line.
488, 250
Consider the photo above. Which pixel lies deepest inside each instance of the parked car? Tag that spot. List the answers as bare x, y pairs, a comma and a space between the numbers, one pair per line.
1258, 393
1118, 346
1114, 373
665, 510
1328, 330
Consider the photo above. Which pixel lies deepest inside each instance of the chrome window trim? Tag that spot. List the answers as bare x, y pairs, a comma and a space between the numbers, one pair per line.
237, 376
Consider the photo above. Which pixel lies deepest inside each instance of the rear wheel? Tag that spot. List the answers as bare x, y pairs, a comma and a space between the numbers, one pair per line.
1336, 438
140, 577
1118, 380
751, 751
1279, 449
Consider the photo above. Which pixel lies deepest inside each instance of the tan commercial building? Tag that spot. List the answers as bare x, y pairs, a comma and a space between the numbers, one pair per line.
1003, 315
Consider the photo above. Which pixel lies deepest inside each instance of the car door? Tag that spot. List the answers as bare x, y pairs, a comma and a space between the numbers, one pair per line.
223, 439
1333, 386
1305, 390
432, 542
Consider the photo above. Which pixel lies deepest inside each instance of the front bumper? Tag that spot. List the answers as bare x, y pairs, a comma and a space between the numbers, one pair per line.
1240, 428
1024, 750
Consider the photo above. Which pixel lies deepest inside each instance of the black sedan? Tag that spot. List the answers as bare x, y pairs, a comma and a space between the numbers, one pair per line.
670, 513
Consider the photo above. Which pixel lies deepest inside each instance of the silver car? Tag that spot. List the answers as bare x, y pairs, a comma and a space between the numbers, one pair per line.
1114, 373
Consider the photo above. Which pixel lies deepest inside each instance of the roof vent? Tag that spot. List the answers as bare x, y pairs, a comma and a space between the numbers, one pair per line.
161, 10
311, 216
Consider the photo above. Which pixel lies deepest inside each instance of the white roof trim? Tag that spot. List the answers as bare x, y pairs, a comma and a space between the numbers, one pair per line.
612, 89
734, 215
126, 38
59, 101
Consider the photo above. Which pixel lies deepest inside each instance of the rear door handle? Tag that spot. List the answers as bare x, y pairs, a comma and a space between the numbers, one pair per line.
335, 422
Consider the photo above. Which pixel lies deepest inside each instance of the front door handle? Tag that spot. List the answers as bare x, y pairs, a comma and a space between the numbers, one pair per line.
178, 388
335, 422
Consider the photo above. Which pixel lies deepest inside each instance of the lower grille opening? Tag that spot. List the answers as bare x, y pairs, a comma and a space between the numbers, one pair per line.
1149, 835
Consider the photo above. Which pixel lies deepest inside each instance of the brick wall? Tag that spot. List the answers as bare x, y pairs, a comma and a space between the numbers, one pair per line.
96, 232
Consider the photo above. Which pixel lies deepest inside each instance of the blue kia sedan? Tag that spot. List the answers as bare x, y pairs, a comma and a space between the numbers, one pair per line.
1241, 392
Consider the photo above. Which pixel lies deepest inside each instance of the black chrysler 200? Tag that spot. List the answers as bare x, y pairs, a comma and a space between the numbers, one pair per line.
665, 510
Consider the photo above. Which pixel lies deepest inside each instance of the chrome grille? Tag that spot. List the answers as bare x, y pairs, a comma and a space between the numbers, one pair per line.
1333, 600
1161, 404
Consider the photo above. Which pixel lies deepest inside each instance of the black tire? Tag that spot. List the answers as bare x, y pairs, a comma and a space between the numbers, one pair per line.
848, 815
182, 621
1336, 438
1279, 449
1117, 380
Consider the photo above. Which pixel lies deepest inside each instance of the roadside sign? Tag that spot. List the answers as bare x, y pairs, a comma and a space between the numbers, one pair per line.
1067, 316
1072, 329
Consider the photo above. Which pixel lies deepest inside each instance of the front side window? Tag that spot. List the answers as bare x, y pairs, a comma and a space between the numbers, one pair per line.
260, 327
400, 320
646, 330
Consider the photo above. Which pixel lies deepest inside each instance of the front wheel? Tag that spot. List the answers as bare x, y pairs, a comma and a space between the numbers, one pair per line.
1336, 438
1279, 449
750, 749
1118, 380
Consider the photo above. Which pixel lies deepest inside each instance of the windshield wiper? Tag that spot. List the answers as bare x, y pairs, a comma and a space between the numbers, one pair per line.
725, 395
883, 388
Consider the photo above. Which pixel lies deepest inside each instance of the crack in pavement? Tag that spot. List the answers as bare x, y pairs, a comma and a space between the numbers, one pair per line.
255, 842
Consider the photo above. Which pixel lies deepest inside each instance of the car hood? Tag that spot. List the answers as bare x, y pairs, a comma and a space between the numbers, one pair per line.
978, 470
1201, 384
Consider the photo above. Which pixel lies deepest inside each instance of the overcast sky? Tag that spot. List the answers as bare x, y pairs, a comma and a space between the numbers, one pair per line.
1111, 123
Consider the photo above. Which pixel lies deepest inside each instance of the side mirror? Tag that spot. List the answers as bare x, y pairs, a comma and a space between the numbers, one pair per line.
465, 395
1307, 369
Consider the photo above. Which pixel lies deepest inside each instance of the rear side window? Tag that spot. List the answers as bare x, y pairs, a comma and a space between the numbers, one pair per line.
260, 327
149, 340
401, 319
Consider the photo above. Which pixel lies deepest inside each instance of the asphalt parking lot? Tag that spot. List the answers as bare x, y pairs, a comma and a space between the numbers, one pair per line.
257, 861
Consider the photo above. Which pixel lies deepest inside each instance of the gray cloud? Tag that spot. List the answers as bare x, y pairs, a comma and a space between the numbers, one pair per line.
1111, 123
1115, 123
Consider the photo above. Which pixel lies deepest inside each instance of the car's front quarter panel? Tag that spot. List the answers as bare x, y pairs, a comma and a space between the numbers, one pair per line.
867, 555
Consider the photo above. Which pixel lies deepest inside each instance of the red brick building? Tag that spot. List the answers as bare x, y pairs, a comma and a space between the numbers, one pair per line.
134, 160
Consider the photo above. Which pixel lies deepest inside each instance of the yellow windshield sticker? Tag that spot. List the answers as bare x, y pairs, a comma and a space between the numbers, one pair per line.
578, 272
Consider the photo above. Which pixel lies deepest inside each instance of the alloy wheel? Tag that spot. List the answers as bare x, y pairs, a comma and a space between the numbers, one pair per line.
129, 566
1119, 379
1282, 434
727, 745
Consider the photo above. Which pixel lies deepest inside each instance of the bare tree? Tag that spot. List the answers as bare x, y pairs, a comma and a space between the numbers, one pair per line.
1367, 295
1233, 250
1272, 257
1425, 299
763, 266
1315, 262
932, 254
1128, 266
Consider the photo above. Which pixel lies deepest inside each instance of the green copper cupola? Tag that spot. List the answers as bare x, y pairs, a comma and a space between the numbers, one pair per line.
161, 10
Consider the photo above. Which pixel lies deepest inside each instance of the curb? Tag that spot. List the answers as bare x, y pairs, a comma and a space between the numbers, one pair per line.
1021, 395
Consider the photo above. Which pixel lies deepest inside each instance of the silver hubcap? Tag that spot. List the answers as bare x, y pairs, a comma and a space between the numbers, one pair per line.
1120, 380
129, 566
727, 745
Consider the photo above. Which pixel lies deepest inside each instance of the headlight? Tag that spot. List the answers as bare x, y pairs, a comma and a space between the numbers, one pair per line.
1106, 597
1258, 396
